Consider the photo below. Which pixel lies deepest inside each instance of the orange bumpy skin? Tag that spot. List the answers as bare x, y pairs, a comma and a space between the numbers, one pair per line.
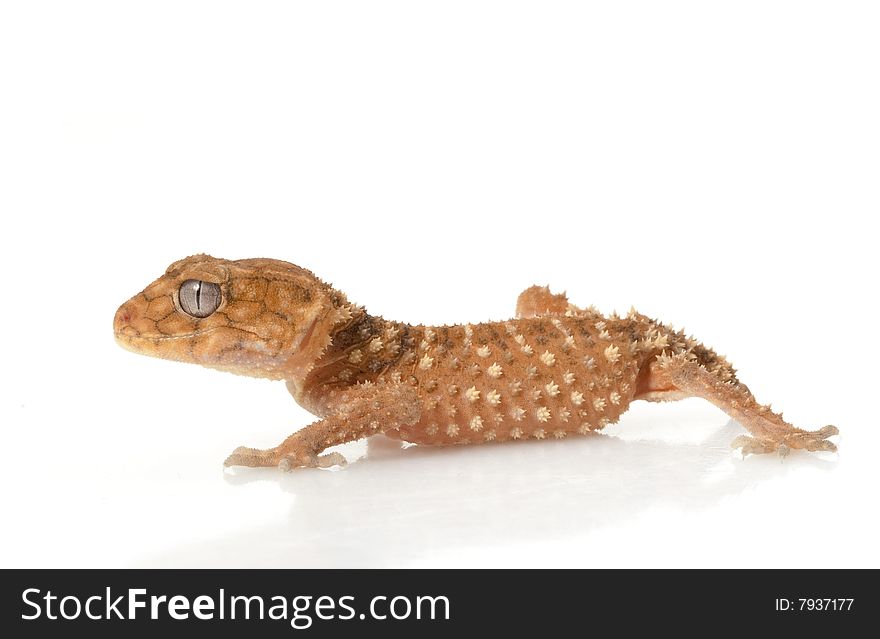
554, 371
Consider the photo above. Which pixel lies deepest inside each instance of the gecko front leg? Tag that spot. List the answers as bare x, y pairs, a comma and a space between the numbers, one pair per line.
358, 412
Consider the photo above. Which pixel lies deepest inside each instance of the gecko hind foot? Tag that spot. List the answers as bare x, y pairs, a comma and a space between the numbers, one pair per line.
807, 440
754, 446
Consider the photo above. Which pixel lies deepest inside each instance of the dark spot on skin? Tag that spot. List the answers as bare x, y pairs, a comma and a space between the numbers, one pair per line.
337, 299
405, 338
635, 336
355, 333
704, 355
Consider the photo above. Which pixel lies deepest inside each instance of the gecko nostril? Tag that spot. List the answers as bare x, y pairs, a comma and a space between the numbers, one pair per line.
122, 318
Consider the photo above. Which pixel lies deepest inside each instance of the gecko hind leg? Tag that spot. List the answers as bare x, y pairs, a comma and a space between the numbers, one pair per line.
681, 375
536, 301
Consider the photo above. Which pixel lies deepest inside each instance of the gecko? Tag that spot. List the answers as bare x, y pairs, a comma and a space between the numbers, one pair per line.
555, 370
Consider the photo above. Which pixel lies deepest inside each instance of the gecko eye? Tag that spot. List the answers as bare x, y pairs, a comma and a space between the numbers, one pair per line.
198, 298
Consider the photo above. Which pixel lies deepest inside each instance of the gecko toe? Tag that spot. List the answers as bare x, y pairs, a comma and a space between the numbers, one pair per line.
753, 446
253, 457
289, 462
821, 445
331, 459
828, 431
235, 458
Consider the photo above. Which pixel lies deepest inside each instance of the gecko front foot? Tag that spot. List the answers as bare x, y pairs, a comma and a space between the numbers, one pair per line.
807, 440
255, 457
289, 462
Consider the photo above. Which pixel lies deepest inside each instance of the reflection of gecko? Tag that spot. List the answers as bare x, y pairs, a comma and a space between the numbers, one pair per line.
555, 370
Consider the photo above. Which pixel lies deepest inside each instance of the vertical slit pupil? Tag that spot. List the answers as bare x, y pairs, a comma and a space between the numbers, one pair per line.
198, 298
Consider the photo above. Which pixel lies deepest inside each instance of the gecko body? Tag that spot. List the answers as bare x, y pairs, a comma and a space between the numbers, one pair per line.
553, 371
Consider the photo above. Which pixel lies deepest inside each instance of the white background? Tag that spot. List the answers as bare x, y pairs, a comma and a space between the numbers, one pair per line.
714, 164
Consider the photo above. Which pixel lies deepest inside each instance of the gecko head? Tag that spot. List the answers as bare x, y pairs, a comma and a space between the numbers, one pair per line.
248, 316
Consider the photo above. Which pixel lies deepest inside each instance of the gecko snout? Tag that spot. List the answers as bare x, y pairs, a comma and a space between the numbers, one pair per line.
123, 318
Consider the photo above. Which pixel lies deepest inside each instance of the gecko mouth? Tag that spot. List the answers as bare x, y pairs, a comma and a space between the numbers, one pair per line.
130, 332
127, 336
